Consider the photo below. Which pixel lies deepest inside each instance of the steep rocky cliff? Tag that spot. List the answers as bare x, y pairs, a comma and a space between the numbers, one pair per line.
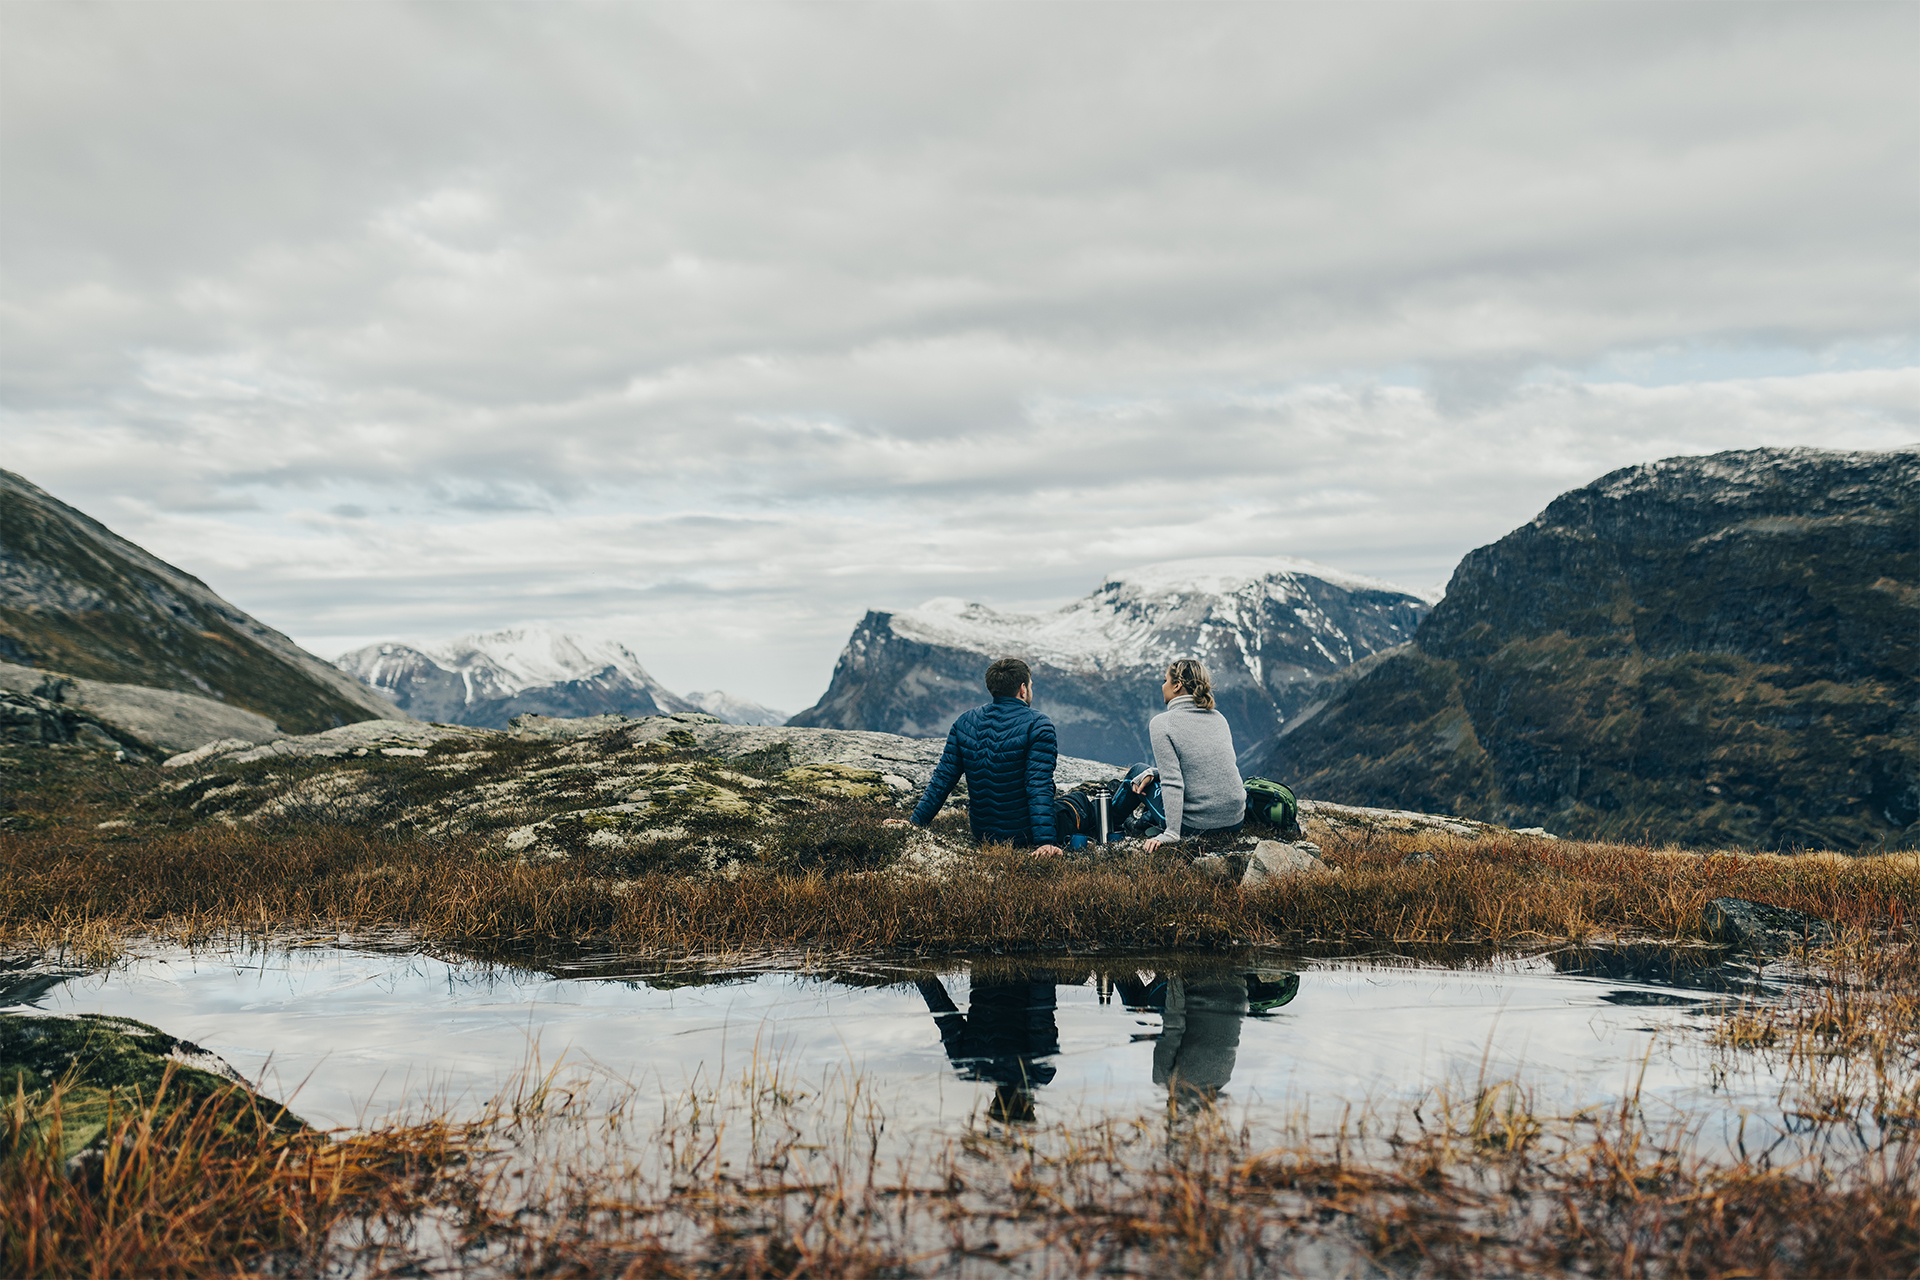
1269, 630
1711, 650
485, 680
77, 598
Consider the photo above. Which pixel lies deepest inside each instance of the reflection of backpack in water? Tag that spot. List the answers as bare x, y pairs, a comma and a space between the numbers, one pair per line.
1269, 989
1273, 804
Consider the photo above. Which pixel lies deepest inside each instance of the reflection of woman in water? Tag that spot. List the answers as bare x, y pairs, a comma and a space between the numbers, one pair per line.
1004, 1038
1199, 1040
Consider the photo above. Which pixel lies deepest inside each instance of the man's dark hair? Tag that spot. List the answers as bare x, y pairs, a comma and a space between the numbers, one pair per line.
1006, 675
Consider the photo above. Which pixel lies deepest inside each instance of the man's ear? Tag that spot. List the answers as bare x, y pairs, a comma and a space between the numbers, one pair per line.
1026, 693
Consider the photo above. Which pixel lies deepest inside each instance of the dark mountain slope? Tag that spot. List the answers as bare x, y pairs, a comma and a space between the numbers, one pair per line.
77, 598
1714, 651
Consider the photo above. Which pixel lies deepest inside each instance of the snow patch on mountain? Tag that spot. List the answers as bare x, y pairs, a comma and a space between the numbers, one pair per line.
1125, 622
521, 658
486, 678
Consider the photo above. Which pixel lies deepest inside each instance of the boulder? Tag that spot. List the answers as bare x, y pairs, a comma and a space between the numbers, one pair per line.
218, 747
1762, 928
1272, 862
107, 1064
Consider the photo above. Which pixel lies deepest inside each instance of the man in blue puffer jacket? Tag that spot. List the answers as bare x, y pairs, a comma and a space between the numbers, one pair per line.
1007, 751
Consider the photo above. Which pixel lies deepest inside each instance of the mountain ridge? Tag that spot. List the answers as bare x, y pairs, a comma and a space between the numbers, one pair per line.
1269, 628
79, 599
484, 679
1715, 650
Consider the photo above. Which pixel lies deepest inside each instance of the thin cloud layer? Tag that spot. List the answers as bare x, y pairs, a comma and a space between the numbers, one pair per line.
714, 325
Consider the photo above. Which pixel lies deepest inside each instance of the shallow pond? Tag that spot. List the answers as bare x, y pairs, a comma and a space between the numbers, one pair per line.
350, 1034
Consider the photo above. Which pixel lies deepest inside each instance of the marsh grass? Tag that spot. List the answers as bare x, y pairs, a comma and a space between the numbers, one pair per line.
1849, 1046
181, 1187
825, 882
771, 1174
69, 884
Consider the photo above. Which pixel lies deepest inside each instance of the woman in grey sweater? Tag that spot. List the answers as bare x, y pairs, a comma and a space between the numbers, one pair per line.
1193, 758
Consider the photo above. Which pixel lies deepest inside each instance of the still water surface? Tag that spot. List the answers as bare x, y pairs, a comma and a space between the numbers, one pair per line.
350, 1034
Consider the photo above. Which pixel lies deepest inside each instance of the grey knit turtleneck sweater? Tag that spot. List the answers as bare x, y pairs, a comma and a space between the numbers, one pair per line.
1199, 778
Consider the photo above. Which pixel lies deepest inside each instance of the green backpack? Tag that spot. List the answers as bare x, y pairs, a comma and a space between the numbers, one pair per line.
1273, 804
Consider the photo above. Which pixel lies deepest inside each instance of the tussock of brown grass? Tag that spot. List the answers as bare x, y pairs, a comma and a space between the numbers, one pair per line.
182, 1190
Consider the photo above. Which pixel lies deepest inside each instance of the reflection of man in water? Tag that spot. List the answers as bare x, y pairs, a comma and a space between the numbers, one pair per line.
1004, 1038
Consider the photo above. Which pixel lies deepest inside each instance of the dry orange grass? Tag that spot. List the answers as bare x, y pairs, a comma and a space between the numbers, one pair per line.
790, 1186
181, 1190
81, 888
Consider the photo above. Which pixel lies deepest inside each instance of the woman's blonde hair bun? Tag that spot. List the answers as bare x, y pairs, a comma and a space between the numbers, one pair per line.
1190, 677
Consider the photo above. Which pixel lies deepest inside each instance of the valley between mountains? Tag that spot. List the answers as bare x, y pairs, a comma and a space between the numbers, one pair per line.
1713, 651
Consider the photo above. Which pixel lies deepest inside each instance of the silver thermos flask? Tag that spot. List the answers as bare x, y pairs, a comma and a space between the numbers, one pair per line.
1102, 803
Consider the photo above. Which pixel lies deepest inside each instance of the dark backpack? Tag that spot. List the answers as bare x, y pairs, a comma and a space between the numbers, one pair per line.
1076, 814
1273, 803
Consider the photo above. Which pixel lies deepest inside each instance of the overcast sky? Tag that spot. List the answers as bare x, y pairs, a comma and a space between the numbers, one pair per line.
711, 325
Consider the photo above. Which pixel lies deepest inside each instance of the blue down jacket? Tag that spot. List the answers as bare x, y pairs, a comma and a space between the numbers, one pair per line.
1007, 750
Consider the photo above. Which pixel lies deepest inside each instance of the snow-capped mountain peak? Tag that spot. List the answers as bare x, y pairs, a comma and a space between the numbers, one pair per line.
1270, 628
1126, 620
521, 658
487, 678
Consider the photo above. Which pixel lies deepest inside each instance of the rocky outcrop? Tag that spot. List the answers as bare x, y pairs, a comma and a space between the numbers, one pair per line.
1712, 651
134, 715
487, 679
30, 721
1269, 630
685, 793
77, 598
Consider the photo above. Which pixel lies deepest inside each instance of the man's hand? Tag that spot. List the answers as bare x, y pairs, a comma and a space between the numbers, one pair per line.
1141, 783
1048, 851
1157, 842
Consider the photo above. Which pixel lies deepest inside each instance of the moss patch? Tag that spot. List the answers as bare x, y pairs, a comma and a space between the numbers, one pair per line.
101, 1065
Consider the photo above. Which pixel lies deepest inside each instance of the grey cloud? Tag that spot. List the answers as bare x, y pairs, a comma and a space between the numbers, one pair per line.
897, 286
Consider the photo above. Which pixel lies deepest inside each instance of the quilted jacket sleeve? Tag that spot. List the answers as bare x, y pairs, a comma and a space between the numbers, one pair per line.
1043, 751
946, 775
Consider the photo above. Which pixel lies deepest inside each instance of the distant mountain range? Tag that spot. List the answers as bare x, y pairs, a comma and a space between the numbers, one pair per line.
735, 710
1269, 629
486, 679
78, 599
1716, 650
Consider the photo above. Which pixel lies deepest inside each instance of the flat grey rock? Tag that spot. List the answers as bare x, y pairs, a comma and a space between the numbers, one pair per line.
1273, 862
348, 739
1762, 928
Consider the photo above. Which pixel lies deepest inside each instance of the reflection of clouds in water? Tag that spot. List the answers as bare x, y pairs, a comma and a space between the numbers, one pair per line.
368, 1030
